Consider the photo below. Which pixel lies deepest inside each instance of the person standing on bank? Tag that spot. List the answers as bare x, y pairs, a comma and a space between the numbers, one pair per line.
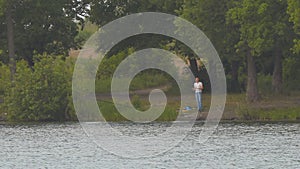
198, 87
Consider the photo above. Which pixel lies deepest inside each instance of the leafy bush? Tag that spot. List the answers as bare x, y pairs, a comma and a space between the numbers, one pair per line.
4, 77
40, 93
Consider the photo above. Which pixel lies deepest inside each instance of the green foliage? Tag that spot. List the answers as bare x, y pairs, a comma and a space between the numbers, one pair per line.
297, 46
210, 17
143, 80
264, 82
109, 65
294, 12
41, 94
43, 26
103, 11
263, 27
86, 33
107, 68
4, 77
263, 24
291, 73
2, 7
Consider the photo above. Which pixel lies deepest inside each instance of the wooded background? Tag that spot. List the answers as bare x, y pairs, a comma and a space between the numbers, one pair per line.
258, 40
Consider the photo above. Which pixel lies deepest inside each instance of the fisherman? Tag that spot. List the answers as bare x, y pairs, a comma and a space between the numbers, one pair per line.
198, 87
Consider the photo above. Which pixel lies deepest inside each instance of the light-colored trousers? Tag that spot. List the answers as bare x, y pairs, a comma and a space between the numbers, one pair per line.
198, 99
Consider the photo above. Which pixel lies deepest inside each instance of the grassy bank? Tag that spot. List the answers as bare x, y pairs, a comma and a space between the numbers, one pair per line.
110, 112
275, 114
270, 108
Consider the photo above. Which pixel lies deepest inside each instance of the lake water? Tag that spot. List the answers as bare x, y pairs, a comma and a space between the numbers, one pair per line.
233, 145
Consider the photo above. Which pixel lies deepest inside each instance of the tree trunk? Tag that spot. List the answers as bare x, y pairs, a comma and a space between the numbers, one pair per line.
235, 86
10, 40
277, 73
194, 67
252, 91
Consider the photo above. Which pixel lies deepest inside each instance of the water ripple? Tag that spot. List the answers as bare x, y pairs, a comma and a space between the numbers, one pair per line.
231, 146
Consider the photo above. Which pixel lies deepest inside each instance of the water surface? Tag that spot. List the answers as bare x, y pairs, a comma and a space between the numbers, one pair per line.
255, 145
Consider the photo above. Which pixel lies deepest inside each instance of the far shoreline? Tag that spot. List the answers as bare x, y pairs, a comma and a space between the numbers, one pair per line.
283, 109
222, 121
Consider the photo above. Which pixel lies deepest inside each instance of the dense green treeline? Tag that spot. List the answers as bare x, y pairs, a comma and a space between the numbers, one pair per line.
258, 42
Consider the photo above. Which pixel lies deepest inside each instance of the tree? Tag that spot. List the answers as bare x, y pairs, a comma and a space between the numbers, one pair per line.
43, 26
276, 33
242, 15
263, 27
53, 32
282, 35
8, 8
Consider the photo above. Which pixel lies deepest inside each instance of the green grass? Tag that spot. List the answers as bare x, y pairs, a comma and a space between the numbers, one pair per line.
274, 114
111, 114
1, 100
103, 85
270, 108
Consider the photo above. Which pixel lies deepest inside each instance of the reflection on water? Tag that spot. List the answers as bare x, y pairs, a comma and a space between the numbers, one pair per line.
231, 146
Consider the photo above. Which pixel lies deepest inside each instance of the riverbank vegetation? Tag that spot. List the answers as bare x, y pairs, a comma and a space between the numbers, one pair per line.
41, 92
257, 40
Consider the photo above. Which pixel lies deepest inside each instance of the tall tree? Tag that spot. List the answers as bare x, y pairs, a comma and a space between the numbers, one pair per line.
244, 15
264, 27
281, 32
